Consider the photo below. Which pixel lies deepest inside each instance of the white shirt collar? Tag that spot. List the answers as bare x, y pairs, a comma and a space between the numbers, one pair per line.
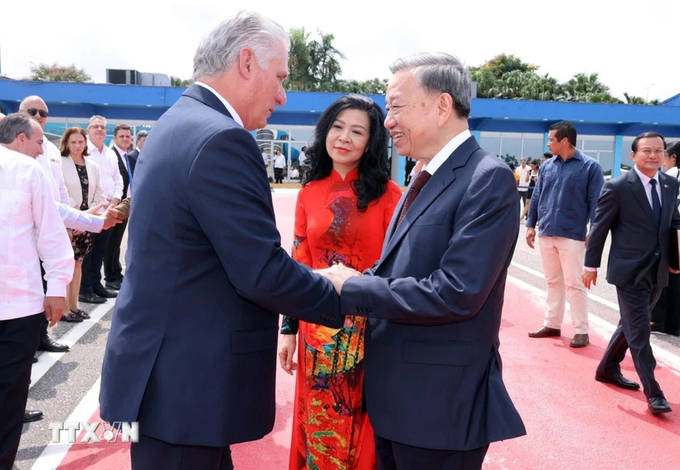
644, 178
226, 104
446, 151
120, 151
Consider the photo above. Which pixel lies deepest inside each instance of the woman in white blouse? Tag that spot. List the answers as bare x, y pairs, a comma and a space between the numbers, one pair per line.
84, 189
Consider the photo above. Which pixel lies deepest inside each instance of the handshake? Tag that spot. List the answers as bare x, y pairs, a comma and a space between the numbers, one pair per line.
338, 274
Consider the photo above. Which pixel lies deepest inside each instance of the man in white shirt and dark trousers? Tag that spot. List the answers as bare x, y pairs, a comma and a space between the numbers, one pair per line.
113, 271
31, 230
279, 165
91, 288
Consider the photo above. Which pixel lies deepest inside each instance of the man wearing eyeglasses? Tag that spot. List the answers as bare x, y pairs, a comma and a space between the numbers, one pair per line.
50, 160
91, 288
640, 209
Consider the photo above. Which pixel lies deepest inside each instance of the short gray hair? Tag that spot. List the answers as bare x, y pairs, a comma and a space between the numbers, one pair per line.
13, 125
440, 73
221, 48
96, 117
142, 135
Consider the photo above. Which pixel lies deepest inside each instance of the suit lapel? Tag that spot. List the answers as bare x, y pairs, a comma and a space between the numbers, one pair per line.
443, 177
639, 192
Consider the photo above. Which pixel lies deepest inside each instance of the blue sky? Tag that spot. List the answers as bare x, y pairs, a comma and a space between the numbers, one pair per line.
631, 44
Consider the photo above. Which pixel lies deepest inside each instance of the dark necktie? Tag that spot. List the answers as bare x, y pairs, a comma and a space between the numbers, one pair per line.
422, 178
129, 170
656, 204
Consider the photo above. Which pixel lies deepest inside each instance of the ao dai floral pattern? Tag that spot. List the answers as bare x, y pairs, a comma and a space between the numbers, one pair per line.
330, 429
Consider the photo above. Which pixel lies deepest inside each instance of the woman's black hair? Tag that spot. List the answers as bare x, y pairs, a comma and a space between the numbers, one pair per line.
673, 148
373, 166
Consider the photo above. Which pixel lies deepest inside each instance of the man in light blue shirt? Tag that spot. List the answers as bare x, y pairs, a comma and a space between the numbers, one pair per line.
563, 204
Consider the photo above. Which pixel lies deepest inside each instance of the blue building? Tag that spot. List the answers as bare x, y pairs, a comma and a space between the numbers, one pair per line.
504, 127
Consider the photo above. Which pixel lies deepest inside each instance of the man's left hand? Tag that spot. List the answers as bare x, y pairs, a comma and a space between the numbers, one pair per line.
54, 308
673, 271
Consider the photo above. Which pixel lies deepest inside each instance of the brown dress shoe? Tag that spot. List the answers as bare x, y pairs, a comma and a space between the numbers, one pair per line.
544, 332
580, 340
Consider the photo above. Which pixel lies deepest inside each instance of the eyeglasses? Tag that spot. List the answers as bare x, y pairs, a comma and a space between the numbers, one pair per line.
98, 126
33, 112
650, 152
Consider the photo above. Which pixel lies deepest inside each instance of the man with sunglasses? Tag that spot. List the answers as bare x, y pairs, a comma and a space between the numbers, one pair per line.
50, 159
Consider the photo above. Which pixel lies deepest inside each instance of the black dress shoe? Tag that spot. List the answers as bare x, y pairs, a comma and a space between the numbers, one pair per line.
32, 415
90, 298
580, 340
47, 344
35, 359
102, 292
544, 332
658, 405
657, 327
618, 380
115, 285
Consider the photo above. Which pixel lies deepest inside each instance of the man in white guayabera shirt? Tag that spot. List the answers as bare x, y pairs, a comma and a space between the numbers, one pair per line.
31, 230
91, 288
50, 159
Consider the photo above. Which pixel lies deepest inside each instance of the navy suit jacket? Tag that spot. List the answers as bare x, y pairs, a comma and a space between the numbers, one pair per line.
192, 350
133, 160
434, 300
637, 240
123, 171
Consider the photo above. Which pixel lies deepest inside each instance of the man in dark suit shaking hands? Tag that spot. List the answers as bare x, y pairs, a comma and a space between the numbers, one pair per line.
191, 354
433, 385
640, 209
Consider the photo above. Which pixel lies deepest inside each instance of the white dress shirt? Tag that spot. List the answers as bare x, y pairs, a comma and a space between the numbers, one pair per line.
279, 161
230, 108
50, 160
446, 151
109, 174
122, 154
30, 230
648, 187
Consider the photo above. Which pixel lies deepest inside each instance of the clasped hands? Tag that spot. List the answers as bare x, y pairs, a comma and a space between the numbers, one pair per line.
109, 214
338, 274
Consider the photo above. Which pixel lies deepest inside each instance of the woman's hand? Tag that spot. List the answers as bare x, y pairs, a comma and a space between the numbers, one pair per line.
286, 353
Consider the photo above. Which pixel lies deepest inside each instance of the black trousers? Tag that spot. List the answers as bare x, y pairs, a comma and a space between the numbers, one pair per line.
667, 311
278, 175
633, 331
18, 344
92, 264
392, 455
112, 267
151, 454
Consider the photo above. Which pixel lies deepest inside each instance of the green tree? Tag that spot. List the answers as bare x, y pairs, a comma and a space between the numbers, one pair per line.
300, 76
176, 81
58, 73
588, 88
503, 63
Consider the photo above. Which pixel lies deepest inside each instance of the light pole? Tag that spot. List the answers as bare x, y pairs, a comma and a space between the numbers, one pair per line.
647, 99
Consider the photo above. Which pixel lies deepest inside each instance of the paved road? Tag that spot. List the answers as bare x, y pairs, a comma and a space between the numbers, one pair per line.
61, 382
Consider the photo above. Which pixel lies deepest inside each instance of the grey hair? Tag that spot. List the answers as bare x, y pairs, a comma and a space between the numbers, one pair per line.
13, 125
95, 118
221, 48
440, 73
142, 135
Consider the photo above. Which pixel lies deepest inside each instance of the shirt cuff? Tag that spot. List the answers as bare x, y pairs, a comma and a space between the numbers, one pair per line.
592, 270
97, 224
56, 289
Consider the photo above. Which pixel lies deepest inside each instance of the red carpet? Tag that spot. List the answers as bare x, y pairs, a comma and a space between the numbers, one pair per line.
573, 422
